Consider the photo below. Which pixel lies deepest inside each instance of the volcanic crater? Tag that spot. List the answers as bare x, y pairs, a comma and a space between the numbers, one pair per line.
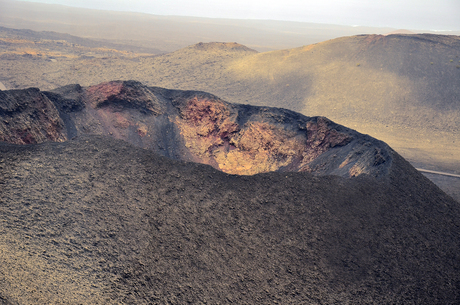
193, 126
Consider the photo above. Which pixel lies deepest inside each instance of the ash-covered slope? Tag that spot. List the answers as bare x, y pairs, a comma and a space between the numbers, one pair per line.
199, 127
98, 221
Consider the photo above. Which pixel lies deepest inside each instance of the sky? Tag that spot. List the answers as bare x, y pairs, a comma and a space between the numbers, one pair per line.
402, 14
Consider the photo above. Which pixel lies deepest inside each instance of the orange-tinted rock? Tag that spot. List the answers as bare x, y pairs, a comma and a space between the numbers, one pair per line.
247, 140
212, 133
207, 126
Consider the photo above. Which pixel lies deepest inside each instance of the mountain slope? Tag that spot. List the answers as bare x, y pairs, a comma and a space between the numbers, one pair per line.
403, 89
95, 220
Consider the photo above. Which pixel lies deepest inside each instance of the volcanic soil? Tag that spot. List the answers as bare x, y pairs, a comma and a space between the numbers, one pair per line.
95, 220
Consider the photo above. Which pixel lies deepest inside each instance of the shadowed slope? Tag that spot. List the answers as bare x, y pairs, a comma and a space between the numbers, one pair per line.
95, 220
29, 117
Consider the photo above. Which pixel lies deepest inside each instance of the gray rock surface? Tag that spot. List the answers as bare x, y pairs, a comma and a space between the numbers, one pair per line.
95, 220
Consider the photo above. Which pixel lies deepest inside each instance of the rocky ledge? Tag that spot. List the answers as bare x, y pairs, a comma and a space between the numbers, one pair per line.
192, 126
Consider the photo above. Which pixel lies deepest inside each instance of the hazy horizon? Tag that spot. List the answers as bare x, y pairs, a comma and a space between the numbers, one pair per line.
439, 15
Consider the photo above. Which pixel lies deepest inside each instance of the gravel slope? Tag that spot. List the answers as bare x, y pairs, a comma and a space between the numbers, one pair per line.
97, 221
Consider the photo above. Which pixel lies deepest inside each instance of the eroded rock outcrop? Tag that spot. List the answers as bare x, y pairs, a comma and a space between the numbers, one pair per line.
128, 94
196, 126
246, 140
28, 116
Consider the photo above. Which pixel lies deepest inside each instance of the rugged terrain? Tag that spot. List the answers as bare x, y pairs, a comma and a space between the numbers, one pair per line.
402, 89
192, 126
95, 220
285, 209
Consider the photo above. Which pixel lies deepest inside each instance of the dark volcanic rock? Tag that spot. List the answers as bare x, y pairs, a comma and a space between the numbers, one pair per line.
98, 221
199, 127
28, 116
68, 98
126, 94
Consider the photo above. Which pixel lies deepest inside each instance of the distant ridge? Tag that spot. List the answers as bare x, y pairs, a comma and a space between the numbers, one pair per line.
37, 36
401, 31
168, 33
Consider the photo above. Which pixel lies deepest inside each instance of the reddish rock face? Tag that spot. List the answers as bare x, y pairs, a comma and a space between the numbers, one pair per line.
246, 140
193, 126
213, 135
28, 117
122, 94
321, 137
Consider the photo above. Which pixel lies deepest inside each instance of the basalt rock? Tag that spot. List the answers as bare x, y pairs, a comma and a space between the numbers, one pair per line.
127, 94
200, 127
28, 116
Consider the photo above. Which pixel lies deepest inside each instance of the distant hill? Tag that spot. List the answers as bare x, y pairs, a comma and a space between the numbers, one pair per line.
400, 31
36, 37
